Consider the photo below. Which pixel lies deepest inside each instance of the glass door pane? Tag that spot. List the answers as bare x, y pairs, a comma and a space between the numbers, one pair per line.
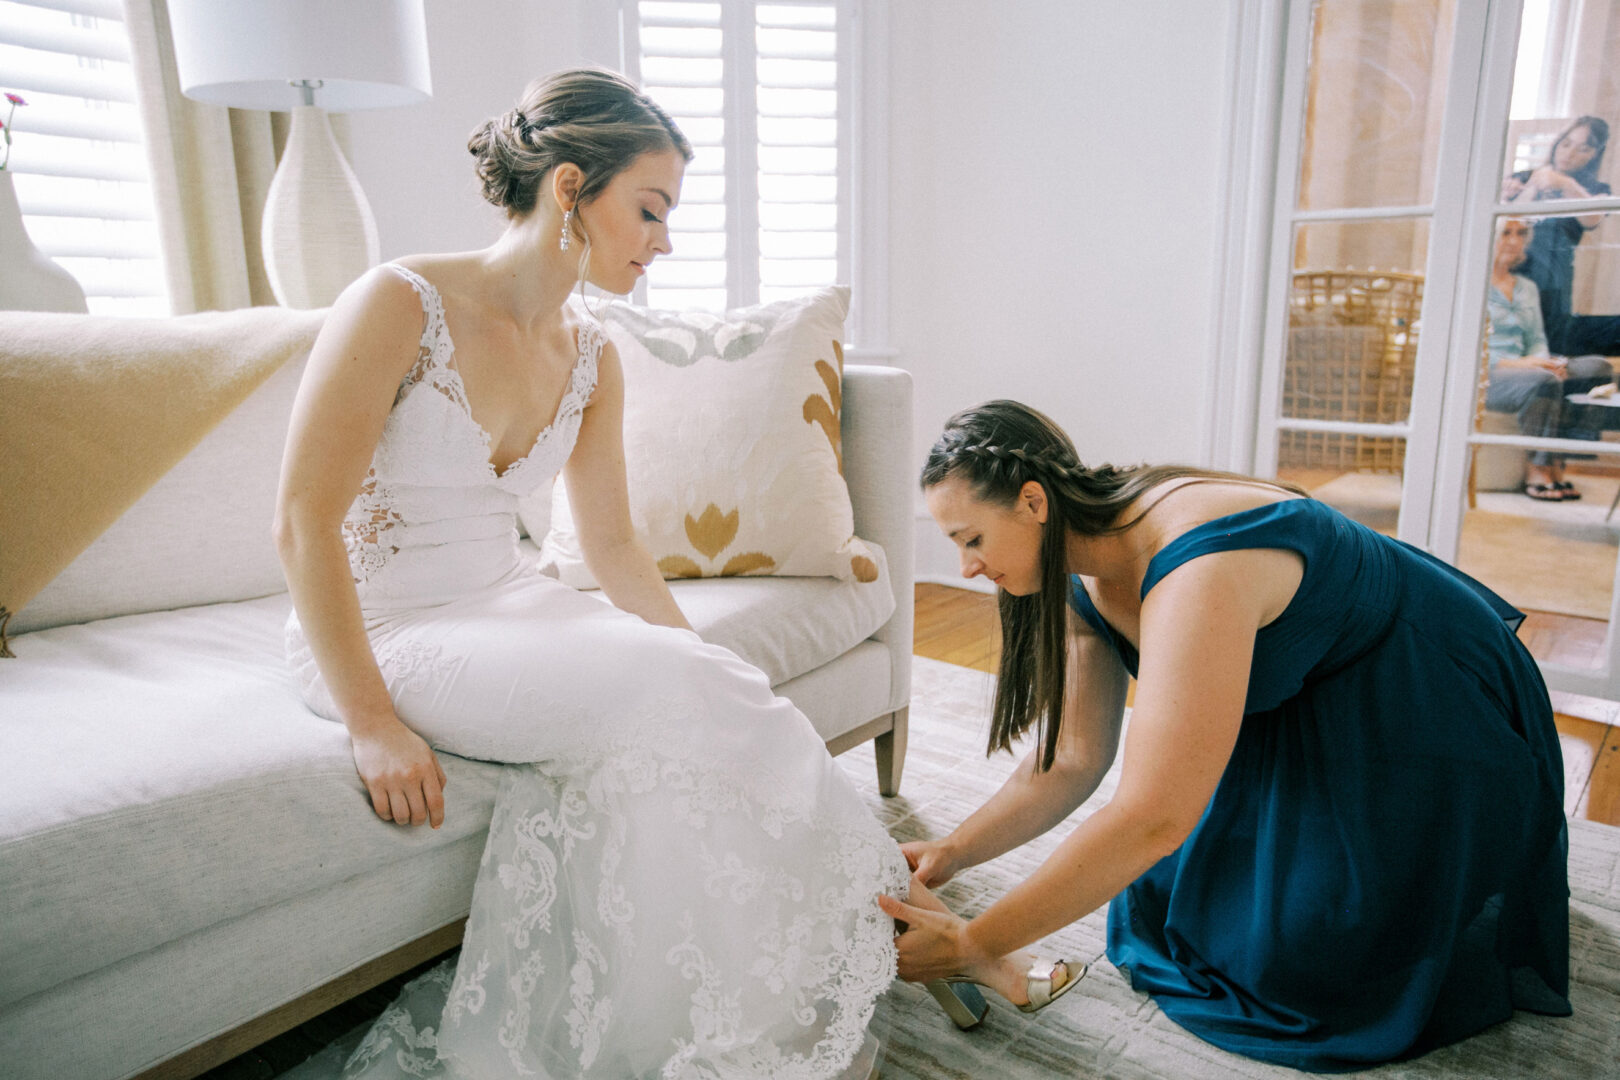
1376, 92
1358, 229
1350, 356
1541, 526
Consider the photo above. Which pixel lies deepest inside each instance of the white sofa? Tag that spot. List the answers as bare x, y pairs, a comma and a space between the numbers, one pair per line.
188, 862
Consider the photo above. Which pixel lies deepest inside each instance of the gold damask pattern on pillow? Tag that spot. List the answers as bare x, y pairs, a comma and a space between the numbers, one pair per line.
733, 448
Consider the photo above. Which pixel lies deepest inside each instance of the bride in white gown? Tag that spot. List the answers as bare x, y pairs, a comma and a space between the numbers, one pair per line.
679, 882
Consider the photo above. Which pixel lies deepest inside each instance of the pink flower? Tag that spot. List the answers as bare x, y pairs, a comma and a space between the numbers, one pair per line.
15, 99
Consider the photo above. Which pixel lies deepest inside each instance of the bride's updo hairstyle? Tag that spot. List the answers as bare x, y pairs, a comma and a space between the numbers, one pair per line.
997, 448
594, 118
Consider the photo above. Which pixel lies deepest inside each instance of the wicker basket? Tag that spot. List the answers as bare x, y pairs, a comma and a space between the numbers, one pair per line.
1352, 350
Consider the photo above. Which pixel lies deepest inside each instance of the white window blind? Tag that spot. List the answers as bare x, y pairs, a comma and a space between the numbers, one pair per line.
757, 88
77, 157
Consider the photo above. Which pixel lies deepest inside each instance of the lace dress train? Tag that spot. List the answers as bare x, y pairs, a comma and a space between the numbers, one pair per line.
678, 881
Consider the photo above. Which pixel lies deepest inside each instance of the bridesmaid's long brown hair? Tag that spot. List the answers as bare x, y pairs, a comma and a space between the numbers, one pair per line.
997, 448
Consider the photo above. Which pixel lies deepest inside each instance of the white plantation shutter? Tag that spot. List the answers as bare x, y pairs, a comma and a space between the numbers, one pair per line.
761, 91
77, 158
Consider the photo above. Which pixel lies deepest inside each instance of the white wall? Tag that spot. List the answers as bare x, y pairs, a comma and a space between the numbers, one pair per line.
1053, 204
413, 162
1054, 171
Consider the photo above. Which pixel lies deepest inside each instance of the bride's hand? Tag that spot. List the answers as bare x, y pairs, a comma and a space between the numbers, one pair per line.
934, 862
401, 773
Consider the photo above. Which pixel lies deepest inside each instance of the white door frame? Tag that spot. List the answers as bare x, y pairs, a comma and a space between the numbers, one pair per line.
1243, 418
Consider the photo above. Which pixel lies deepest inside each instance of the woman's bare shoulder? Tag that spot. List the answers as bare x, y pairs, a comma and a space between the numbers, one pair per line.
452, 266
375, 325
1187, 502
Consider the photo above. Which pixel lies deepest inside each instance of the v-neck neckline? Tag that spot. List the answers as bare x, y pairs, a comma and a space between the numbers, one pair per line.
465, 400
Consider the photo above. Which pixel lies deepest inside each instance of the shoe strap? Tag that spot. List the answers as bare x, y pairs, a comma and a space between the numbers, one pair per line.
1039, 980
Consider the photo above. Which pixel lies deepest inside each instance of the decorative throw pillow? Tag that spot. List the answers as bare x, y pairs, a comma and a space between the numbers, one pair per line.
732, 445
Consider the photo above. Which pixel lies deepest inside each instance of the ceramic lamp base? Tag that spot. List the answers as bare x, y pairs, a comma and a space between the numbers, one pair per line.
318, 232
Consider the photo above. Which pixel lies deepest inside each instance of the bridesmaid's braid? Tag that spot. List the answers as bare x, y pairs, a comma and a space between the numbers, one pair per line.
1038, 461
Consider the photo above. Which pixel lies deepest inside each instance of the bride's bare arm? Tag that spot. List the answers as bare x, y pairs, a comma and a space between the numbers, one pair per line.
367, 345
600, 503
1031, 801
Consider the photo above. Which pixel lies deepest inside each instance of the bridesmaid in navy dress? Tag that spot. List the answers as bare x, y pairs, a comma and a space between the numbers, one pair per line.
1338, 835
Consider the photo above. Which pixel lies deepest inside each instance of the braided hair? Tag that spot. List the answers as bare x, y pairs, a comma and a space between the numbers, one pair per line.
594, 118
998, 447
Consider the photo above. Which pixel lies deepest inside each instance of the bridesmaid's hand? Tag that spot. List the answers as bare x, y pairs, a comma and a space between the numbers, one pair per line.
934, 943
401, 773
933, 862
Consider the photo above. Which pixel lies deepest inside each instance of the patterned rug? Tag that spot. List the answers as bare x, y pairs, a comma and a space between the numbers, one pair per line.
1103, 1028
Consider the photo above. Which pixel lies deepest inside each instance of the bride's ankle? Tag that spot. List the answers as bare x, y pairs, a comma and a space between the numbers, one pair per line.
1005, 975
1011, 977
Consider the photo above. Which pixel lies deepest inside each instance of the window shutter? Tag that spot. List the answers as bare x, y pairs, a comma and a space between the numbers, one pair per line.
797, 102
756, 88
77, 157
683, 69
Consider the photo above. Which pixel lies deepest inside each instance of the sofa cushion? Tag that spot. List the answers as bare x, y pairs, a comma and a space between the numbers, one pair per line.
733, 443
176, 779
189, 783
788, 626
200, 535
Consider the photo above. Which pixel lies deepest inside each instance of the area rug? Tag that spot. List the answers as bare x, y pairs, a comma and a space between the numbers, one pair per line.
1103, 1028
1557, 557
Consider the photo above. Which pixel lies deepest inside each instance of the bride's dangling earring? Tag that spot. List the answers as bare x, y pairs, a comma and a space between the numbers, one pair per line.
562, 243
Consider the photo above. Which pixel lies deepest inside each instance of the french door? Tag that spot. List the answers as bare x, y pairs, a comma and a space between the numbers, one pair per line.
1400, 125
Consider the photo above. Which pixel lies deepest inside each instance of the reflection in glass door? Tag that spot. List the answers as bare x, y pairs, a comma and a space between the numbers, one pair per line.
1351, 247
1444, 297
1538, 524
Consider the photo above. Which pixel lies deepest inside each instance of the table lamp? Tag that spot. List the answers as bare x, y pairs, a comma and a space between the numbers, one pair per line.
307, 56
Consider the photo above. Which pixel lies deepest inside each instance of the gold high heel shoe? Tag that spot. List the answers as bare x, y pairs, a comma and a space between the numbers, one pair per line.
959, 995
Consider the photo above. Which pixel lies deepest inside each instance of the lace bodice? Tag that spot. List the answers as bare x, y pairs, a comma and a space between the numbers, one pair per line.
433, 520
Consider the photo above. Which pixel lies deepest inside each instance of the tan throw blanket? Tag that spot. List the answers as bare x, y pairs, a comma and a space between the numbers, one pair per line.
94, 409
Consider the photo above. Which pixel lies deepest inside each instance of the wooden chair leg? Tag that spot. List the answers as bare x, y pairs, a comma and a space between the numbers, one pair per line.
1473, 477
891, 753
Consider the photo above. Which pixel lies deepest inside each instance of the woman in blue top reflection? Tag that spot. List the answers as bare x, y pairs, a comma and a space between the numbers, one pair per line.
1337, 837
1570, 172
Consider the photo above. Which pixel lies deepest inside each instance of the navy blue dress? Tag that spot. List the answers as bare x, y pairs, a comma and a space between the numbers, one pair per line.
1382, 868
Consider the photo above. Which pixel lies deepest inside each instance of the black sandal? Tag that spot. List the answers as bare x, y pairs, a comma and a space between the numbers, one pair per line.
1566, 490
1544, 492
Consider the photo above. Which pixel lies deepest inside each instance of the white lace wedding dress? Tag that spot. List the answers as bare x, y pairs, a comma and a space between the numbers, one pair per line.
679, 882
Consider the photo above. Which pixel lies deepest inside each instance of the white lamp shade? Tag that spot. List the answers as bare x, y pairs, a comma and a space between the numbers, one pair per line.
367, 54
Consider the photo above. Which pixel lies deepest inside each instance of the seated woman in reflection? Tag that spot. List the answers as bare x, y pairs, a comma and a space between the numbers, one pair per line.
1570, 172
1337, 837
1525, 378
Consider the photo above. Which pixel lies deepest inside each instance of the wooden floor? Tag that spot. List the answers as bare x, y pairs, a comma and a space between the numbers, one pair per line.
959, 626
